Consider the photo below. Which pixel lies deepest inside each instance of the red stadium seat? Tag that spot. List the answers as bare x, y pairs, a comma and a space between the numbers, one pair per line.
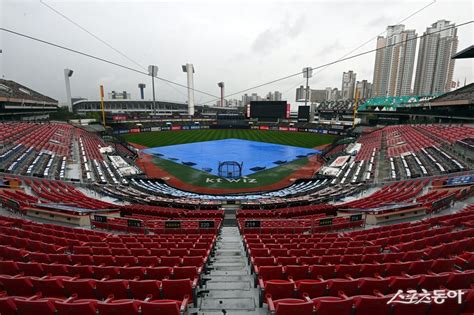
116, 287
404, 309
296, 272
101, 272
403, 283
141, 289
369, 305
7, 305
188, 272
132, 272
126, 260
31, 269
348, 286
331, 305
129, 307
35, 306
324, 271
9, 267
178, 290
277, 289
170, 261
312, 288
290, 306
158, 273
17, 285
76, 307
164, 307
83, 271
50, 286
368, 285
82, 288
146, 261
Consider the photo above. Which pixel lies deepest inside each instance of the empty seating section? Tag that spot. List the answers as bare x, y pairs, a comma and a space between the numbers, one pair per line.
394, 193
48, 191
161, 188
41, 262
417, 150
449, 133
43, 150
307, 245
361, 270
35, 149
369, 142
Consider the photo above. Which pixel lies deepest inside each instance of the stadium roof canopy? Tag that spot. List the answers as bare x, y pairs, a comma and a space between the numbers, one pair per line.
15, 92
465, 53
461, 96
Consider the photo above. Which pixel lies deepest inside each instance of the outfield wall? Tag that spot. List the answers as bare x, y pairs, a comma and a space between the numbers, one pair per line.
261, 127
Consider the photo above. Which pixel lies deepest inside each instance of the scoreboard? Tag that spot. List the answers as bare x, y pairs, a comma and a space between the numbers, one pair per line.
269, 110
304, 113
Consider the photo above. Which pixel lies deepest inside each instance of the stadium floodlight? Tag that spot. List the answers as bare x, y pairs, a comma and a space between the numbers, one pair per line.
221, 85
189, 69
153, 71
67, 74
307, 73
142, 87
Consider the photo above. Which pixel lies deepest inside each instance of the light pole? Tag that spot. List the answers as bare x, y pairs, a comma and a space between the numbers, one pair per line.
307, 73
67, 74
142, 86
189, 69
153, 71
221, 85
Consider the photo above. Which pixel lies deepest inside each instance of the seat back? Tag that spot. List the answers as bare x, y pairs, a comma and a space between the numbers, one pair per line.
117, 287
118, 307
368, 305
40, 306
176, 289
332, 305
83, 288
140, 289
293, 306
77, 307
271, 273
162, 307
280, 289
313, 288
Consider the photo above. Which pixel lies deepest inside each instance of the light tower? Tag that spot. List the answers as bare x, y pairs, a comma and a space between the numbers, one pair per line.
67, 74
221, 85
189, 69
153, 71
142, 86
307, 73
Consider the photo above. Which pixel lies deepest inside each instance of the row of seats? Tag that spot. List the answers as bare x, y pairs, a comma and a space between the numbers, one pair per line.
281, 269
36, 304
280, 289
368, 305
65, 286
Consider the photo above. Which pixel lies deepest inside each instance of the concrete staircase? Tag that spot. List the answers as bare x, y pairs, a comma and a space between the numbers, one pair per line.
230, 286
230, 212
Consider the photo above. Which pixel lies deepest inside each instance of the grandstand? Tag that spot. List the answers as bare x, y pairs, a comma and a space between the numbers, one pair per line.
452, 107
18, 102
83, 229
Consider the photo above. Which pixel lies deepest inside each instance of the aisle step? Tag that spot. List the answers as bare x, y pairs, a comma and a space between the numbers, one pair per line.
230, 285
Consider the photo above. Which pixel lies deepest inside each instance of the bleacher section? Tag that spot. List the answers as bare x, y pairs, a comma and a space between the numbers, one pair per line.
334, 273
392, 210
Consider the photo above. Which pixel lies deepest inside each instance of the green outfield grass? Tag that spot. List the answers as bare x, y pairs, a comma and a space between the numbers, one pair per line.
164, 138
202, 179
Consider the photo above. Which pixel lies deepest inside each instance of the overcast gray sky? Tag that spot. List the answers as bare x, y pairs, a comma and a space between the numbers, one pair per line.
241, 43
